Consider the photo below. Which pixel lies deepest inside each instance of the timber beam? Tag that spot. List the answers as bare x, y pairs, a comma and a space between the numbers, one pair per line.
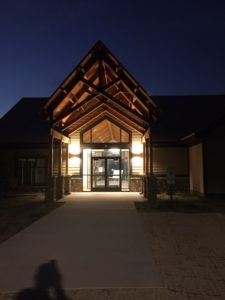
59, 136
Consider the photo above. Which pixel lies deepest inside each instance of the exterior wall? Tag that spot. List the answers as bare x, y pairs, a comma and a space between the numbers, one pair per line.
75, 162
136, 157
172, 158
8, 158
136, 154
181, 185
76, 184
196, 169
214, 161
136, 184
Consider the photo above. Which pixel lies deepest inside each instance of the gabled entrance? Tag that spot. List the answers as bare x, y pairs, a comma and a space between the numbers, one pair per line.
100, 106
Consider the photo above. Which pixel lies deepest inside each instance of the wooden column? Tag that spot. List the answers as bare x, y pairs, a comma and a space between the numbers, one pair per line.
146, 157
50, 187
51, 157
67, 159
60, 157
146, 162
151, 156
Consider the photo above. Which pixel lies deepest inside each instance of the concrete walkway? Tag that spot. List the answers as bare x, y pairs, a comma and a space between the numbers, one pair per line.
97, 240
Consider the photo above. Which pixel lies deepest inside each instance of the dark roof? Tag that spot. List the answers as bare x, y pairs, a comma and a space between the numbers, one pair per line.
217, 123
180, 116
24, 123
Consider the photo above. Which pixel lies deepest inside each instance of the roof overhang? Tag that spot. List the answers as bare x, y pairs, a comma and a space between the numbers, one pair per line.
99, 82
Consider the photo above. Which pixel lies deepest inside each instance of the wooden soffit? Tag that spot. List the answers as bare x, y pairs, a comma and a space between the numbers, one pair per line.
99, 83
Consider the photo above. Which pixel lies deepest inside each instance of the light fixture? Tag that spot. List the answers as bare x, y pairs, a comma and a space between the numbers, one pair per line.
74, 149
137, 148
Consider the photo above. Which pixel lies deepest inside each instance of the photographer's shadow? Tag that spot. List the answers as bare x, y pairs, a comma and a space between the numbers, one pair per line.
48, 284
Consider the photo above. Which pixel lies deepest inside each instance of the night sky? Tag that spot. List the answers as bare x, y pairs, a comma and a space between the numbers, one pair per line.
171, 47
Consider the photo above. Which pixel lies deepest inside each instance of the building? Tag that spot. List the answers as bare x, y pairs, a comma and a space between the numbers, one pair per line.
101, 131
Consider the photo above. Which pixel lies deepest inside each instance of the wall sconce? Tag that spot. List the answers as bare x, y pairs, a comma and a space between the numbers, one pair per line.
74, 149
137, 148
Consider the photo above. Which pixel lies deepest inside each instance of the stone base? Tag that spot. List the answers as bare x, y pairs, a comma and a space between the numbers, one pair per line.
50, 189
76, 184
150, 188
136, 184
59, 187
67, 185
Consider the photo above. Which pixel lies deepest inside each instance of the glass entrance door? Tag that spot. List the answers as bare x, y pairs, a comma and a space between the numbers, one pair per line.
106, 174
98, 173
113, 173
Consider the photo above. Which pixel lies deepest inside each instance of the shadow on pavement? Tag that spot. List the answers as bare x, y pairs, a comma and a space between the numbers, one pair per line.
48, 284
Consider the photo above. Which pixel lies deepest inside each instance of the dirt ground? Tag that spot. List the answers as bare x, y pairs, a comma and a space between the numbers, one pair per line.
17, 211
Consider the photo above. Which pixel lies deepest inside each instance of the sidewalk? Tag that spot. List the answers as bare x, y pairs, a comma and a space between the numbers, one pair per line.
97, 240
188, 250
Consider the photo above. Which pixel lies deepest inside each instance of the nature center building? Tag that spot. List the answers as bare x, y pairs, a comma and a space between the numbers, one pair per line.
96, 133
104, 117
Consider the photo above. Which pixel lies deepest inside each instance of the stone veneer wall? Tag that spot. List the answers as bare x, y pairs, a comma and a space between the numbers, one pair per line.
136, 184
76, 184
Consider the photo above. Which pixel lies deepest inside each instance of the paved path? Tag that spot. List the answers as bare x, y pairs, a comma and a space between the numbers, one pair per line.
97, 240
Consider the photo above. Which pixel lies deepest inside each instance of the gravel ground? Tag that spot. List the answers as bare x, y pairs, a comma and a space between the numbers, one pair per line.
189, 250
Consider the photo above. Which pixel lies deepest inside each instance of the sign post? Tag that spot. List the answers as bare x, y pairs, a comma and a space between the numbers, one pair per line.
171, 179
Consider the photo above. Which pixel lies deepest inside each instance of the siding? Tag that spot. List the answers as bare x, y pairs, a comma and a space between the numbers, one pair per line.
8, 159
214, 151
196, 169
175, 158
136, 159
75, 160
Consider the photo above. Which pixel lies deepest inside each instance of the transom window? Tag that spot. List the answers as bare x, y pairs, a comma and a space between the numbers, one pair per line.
106, 132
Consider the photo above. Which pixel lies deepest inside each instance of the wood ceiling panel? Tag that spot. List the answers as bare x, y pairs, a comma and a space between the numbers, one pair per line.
99, 78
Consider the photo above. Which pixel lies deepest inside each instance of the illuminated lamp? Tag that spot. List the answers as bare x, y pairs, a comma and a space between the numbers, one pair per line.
74, 149
137, 148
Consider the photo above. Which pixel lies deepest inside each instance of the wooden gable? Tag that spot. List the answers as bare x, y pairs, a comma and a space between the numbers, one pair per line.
99, 86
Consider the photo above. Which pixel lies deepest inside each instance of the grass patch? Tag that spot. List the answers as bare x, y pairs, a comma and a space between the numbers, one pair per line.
184, 203
19, 211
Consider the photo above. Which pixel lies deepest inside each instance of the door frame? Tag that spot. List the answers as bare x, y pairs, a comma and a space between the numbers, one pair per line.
106, 188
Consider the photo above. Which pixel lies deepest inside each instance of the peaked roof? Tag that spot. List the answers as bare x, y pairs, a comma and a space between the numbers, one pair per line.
99, 83
180, 116
24, 123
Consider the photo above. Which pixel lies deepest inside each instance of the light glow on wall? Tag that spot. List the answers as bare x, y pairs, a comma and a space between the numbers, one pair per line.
74, 162
137, 165
137, 148
74, 148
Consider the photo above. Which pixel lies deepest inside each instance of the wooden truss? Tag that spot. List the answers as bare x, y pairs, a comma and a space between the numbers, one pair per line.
99, 85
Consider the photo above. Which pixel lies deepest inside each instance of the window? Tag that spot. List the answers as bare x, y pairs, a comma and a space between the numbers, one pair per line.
31, 171
106, 132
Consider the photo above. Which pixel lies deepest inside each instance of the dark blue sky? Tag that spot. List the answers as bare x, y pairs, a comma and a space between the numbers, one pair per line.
171, 47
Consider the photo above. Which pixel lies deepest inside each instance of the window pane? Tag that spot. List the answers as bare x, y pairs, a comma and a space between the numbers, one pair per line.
125, 169
106, 132
31, 171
